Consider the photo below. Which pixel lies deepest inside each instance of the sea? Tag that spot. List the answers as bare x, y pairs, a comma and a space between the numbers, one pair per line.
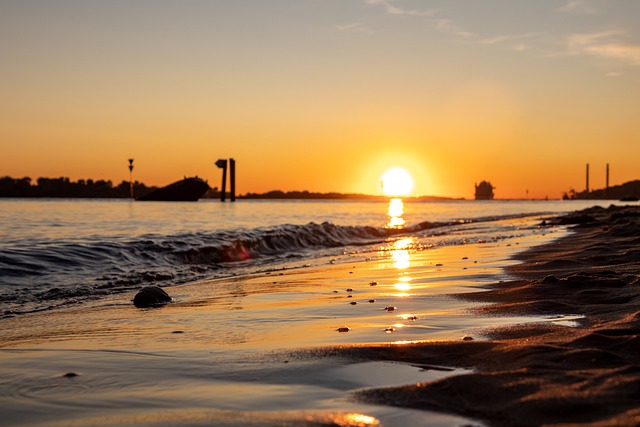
262, 293
56, 252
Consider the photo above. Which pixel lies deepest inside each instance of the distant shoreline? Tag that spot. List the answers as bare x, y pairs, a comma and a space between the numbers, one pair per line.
89, 189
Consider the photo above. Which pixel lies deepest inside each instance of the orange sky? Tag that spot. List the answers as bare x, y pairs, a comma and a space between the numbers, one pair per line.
324, 96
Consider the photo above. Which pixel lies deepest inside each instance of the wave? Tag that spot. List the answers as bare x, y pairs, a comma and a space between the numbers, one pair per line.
37, 275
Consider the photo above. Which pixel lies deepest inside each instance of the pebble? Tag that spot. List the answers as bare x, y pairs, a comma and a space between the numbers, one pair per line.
374, 283
343, 329
353, 303
467, 338
389, 308
151, 296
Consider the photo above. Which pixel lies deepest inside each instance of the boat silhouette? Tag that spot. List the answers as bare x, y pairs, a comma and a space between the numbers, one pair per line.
186, 190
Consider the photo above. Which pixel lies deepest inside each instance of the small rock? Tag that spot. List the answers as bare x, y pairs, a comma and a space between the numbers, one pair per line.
343, 329
349, 290
353, 303
467, 338
389, 308
389, 330
151, 296
372, 301
70, 375
374, 283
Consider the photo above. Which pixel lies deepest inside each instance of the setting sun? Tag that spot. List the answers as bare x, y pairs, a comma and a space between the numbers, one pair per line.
396, 182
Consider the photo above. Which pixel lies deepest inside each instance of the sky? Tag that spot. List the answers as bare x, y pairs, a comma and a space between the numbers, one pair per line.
324, 95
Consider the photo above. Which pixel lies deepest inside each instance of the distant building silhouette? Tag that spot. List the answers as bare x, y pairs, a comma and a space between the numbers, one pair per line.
484, 191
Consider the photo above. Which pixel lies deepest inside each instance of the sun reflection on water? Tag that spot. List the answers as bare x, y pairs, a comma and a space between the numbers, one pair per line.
356, 420
402, 262
395, 212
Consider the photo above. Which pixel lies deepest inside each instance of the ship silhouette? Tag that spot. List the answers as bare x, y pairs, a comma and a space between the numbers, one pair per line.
186, 190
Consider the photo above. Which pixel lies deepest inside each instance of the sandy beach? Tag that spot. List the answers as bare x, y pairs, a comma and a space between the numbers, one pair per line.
541, 374
554, 343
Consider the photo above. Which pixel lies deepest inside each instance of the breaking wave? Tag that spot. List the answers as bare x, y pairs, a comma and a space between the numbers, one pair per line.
38, 275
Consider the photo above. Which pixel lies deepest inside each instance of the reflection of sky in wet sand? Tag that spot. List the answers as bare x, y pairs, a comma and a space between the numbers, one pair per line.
129, 388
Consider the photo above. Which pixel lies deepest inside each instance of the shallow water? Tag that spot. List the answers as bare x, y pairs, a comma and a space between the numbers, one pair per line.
59, 252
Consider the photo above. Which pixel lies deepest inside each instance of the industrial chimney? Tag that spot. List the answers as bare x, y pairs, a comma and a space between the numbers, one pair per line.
587, 177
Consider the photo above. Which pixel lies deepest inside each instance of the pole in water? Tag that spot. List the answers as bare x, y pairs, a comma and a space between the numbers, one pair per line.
131, 178
222, 164
232, 179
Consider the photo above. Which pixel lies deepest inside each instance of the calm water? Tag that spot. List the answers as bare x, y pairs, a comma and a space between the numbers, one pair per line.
53, 252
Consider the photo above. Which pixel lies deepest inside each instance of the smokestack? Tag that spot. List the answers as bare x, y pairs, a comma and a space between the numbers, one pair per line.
587, 177
607, 176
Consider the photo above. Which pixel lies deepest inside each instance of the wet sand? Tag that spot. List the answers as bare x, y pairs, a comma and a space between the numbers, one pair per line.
543, 374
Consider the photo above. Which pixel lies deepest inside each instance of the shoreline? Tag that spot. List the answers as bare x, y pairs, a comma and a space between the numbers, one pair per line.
536, 374
183, 362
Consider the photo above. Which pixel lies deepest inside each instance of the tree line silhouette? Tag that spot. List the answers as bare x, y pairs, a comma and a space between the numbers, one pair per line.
64, 187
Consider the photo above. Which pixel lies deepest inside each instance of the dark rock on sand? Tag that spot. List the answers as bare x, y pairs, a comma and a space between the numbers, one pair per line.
151, 296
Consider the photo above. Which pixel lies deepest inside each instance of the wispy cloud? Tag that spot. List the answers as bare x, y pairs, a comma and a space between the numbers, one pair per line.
354, 27
579, 6
450, 27
392, 9
515, 41
604, 45
505, 38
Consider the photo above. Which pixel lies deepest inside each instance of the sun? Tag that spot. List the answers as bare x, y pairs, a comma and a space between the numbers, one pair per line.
396, 182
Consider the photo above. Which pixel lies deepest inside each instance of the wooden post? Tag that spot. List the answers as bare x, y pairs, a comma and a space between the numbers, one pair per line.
232, 179
222, 164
